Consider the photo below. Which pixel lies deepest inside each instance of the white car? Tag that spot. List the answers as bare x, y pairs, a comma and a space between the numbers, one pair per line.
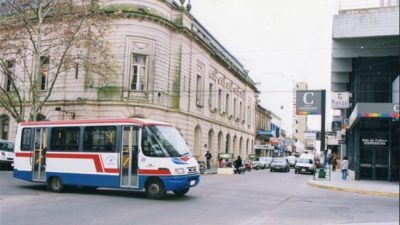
255, 165
265, 162
292, 160
6, 153
305, 163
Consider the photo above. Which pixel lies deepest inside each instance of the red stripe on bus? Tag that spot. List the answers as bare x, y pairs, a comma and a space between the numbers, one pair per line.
94, 121
111, 170
23, 154
95, 158
154, 172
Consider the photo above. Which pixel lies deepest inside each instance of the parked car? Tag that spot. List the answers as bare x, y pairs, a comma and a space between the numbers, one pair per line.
265, 162
280, 164
292, 160
305, 163
6, 153
255, 164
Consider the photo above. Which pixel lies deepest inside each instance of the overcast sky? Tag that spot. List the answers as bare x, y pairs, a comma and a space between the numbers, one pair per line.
279, 41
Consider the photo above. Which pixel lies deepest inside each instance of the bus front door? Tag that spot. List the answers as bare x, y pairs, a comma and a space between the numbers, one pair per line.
39, 156
129, 157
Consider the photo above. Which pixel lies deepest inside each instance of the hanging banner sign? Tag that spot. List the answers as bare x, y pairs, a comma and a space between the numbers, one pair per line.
308, 102
340, 100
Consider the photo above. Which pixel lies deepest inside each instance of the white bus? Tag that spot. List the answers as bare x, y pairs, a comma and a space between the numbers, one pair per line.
114, 153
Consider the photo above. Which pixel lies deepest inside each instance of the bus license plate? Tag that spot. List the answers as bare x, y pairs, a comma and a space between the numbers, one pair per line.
192, 182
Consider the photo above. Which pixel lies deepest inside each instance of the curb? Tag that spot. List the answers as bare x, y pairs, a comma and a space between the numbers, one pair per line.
353, 190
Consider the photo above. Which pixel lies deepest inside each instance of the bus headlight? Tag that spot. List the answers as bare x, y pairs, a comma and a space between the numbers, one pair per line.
180, 170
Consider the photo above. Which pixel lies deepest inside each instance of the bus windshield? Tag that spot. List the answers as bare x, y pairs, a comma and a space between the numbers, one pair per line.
163, 141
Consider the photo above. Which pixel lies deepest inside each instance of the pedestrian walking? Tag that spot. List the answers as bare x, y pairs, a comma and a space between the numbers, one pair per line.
333, 162
208, 159
344, 167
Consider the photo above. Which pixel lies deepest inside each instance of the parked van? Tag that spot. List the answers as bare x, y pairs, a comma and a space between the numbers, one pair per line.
6, 153
305, 163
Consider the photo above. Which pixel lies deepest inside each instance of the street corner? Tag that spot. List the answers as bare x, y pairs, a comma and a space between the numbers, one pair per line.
332, 186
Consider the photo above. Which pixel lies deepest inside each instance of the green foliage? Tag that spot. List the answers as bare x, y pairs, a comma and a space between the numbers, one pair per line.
109, 92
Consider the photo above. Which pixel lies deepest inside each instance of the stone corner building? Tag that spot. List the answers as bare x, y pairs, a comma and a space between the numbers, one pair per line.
170, 69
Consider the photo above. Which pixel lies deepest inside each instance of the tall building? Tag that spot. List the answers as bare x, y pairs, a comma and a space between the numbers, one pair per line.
299, 121
366, 68
170, 68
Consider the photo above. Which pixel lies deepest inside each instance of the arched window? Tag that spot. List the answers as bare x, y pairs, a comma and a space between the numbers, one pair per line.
4, 126
220, 142
234, 146
227, 144
197, 141
210, 144
247, 147
241, 148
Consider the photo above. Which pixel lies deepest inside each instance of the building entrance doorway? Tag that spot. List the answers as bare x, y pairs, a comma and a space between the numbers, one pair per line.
374, 163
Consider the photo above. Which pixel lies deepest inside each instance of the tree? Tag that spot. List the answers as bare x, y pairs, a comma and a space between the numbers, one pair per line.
42, 39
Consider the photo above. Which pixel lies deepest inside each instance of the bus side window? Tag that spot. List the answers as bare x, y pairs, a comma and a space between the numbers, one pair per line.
64, 138
26, 139
99, 139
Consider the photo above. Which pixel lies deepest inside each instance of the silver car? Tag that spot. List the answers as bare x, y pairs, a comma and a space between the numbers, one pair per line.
280, 164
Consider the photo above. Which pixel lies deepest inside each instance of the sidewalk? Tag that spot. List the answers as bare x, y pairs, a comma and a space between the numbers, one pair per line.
213, 170
379, 188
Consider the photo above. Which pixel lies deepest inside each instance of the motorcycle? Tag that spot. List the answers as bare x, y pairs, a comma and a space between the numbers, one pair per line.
239, 170
202, 166
247, 166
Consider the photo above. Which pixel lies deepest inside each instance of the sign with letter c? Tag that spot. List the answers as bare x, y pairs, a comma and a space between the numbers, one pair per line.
308, 102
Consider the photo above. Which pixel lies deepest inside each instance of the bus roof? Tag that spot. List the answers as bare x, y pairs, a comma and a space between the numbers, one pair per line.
138, 121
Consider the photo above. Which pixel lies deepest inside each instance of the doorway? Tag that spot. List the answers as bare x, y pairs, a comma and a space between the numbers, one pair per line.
39, 155
374, 163
129, 157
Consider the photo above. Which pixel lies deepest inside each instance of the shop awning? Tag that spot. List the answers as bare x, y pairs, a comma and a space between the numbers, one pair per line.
374, 110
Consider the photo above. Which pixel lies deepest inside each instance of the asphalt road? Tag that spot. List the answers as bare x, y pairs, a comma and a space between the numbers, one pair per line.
258, 197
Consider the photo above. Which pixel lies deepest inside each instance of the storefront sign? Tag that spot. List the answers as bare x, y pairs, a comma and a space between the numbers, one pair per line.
375, 142
340, 100
260, 146
310, 135
308, 102
374, 110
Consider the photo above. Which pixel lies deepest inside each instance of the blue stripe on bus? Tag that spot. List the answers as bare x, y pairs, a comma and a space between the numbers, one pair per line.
24, 175
173, 183
86, 179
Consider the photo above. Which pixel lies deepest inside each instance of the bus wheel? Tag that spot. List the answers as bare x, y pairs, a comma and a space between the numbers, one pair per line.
155, 189
181, 192
55, 184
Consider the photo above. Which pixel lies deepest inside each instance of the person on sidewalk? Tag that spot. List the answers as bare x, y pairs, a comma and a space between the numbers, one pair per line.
345, 167
333, 162
208, 159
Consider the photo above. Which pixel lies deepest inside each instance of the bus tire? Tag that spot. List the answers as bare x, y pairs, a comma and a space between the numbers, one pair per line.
155, 189
181, 192
55, 184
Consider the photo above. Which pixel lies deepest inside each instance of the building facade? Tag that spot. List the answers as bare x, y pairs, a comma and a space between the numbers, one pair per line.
366, 64
299, 121
263, 132
170, 68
